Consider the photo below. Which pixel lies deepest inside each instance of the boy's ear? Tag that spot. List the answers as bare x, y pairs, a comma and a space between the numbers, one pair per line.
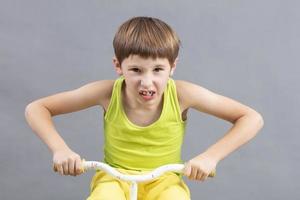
173, 67
117, 66
172, 70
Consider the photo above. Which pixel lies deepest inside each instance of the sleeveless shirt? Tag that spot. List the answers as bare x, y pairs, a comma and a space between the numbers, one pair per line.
134, 147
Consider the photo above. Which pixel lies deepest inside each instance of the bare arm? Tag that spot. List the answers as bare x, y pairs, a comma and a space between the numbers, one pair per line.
246, 122
39, 119
40, 112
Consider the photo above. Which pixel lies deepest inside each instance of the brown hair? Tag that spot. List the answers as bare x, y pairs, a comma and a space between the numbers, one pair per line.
146, 37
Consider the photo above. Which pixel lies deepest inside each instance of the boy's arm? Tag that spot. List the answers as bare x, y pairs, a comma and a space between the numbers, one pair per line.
246, 124
39, 116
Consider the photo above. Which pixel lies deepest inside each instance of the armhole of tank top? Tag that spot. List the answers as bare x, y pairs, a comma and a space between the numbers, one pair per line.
111, 100
178, 111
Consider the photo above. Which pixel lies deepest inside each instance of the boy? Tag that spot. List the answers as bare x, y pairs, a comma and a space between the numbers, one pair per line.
145, 114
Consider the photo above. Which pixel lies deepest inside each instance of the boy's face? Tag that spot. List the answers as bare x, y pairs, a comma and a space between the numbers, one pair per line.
145, 78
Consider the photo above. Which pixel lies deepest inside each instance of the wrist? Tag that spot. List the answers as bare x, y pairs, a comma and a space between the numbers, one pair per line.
212, 155
57, 148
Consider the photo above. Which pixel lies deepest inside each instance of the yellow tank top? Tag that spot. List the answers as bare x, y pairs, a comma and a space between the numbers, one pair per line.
134, 147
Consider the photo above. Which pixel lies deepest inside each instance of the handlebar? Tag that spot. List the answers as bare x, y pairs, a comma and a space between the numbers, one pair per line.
134, 179
88, 165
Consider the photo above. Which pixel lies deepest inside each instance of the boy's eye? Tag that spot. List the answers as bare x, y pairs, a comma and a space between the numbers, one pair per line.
135, 69
158, 69
138, 70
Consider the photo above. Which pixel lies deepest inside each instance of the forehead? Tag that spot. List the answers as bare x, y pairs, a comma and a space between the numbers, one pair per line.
136, 60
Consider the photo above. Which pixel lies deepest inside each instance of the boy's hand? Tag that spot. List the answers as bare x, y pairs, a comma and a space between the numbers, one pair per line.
67, 162
200, 167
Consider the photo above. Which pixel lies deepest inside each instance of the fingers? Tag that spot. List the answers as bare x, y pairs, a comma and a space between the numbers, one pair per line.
60, 170
187, 169
65, 167
72, 166
78, 166
194, 173
197, 174
201, 176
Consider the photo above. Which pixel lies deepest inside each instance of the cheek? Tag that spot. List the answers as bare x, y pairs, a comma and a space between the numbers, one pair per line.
161, 84
132, 84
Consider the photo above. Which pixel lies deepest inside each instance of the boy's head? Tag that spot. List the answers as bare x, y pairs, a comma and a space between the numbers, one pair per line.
146, 37
146, 51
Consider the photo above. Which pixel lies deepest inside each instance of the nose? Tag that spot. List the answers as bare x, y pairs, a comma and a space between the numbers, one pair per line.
146, 82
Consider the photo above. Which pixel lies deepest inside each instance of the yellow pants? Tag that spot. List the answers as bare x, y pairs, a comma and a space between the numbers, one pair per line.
169, 186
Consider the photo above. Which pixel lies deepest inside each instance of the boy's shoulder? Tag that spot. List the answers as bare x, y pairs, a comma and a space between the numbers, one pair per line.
104, 84
188, 93
97, 91
104, 87
188, 88
183, 89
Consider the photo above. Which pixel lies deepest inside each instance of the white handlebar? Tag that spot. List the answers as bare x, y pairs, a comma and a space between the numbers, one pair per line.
134, 179
87, 165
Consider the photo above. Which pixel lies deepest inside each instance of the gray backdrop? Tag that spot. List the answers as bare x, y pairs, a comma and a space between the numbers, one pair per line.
245, 50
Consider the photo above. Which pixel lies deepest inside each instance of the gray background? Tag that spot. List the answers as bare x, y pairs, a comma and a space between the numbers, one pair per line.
245, 50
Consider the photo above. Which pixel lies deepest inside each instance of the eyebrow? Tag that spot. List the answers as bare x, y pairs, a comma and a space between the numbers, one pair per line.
158, 65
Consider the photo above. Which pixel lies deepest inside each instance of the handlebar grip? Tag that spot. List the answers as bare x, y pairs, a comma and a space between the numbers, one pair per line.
212, 174
82, 166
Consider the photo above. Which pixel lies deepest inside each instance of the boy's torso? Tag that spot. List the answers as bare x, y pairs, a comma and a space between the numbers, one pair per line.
142, 117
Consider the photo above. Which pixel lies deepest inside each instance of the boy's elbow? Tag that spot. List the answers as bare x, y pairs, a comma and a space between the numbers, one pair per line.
256, 118
260, 120
29, 108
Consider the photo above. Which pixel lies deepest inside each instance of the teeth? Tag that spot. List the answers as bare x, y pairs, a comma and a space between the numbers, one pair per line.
149, 93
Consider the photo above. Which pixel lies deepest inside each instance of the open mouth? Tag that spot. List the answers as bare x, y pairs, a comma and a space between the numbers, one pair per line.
147, 93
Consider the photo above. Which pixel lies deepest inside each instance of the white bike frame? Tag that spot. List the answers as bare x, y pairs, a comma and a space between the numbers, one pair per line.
134, 179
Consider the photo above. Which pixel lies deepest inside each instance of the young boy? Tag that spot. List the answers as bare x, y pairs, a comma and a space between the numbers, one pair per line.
145, 116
